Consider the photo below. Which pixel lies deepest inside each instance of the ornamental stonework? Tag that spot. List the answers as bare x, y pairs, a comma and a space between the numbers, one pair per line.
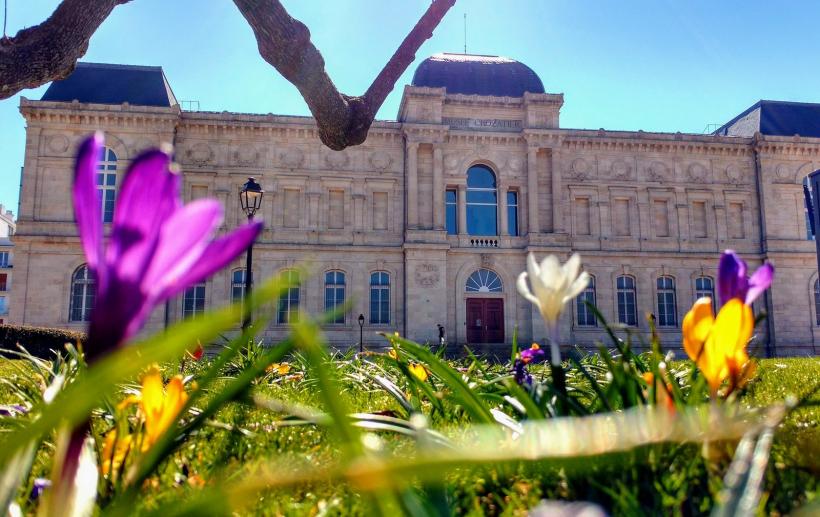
427, 275
200, 154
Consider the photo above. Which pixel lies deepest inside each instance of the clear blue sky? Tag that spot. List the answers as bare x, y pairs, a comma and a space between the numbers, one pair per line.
650, 64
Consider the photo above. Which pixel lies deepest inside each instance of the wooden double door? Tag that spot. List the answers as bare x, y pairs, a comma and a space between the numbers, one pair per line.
485, 320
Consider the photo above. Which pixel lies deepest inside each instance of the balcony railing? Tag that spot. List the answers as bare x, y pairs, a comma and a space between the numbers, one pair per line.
483, 242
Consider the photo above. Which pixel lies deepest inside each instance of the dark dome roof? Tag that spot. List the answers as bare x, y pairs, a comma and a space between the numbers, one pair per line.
477, 75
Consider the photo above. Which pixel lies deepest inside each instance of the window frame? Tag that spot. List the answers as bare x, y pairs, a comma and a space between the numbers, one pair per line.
451, 206
513, 224
623, 317
333, 287
383, 295
484, 282
5, 259
89, 294
817, 302
291, 299
107, 171
472, 206
666, 298
581, 310
196, 294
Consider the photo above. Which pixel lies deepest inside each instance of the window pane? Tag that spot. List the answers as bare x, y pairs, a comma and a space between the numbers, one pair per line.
450, 197
452, 219
482, 196
512, 220
480, 176
481, 220
512, 198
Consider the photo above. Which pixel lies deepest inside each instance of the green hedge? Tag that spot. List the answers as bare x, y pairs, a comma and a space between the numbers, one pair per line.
38, 341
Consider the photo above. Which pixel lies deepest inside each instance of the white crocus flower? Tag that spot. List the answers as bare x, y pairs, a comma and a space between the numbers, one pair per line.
553, 285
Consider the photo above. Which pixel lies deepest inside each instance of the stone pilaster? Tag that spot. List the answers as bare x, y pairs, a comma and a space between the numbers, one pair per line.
557, 201
438, 188
502, 210
532, 189
412, 185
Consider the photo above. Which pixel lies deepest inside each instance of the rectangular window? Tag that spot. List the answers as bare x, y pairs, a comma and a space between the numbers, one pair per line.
335, 294
288, 309
3, 282
336, 209
734, 218
4, 259
586, 318
627, 309
199, 192
620, 217
379, 298
380, 210
512, 213
193, 301
667, 310
3, 306
582, 223
291, 207
451, 206
699, 219
661, 213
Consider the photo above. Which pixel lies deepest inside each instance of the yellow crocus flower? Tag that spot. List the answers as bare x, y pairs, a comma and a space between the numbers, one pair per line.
418, 370
160, 405
718, 345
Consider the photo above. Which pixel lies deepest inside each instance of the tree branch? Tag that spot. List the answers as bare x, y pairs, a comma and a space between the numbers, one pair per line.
284, 42
49, 51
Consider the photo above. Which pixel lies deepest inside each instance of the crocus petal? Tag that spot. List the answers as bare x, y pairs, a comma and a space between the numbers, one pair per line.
149, 195
524, 290
182, 240
577, 287
218, 254
760, 281
152, 402
552, 274
696, 326
732, 281
730, 333
571, 267
87, 209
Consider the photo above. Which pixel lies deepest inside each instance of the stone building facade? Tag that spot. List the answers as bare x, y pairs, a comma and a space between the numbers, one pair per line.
430, 220
7, 227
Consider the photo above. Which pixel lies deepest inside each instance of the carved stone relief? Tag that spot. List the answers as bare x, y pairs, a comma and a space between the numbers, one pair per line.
380, 160
657, 171
292, 157
337, 159
451, 162
200, 154
784, 174
515, 163
579, 169
697, 172
246, 155
620, 170
58, 144
734, 174
427, 275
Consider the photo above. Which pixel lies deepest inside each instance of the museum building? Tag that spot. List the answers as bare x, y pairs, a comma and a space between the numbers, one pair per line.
429, 221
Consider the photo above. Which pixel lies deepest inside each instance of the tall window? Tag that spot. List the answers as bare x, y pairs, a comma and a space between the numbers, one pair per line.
705, 287
238, 285
451, 210
512, 213
289, 301
667, 306
4, 259
817, 303
807, 185
83, 294
4, 282
107, 183
586, 318
484, 281
379, 298
627, 309
3, 306
193, 301
482, 201
335, 293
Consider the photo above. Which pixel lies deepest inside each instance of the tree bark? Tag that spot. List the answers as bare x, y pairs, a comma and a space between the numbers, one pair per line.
49, 51
343, 120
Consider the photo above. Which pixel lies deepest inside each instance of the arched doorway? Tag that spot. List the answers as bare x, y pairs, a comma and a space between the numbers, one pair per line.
485, 308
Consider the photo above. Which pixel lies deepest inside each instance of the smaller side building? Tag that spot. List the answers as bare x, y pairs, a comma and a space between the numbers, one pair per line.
7, 227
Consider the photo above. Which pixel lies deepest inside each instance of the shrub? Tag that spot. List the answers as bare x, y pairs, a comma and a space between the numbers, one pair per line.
38, 341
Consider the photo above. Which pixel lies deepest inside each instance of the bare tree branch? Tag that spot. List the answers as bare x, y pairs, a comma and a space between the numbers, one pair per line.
284, 42
49, 51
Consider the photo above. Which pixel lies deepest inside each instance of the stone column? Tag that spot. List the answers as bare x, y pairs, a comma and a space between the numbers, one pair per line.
532, 189
438, 188
502, 210
412, 185
462, 209
28, 192
557, 204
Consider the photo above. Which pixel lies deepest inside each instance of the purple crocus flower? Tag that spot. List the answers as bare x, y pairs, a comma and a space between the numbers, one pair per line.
520, 374
12, 410
38, 487
532, 354
733, 282
157, 248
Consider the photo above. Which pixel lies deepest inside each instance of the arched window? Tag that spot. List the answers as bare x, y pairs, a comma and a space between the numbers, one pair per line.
667, 303
705, 287
288, 311
107, 182
484, 281
83, 294
482, 201
627, 308
817, 303
379, 298
238, 285
585, 316
335, 293
193, 301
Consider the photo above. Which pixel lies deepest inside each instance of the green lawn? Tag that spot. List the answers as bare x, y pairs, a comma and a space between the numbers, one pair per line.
670, 478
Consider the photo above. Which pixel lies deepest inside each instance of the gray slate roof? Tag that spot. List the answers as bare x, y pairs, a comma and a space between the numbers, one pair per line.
470, 74
776, 118
103, 83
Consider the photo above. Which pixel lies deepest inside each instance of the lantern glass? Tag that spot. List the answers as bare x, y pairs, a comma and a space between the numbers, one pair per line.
250, 197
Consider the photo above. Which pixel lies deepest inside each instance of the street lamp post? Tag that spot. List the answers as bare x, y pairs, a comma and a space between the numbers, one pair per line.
361, 333
250, 197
